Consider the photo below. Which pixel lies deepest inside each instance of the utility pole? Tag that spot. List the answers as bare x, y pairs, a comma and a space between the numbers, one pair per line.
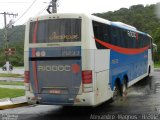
52, 5
6, 41
5, 26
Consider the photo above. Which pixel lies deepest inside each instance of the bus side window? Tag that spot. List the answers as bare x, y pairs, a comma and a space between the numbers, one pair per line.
101, 32
123, 38
106, 33
114, 33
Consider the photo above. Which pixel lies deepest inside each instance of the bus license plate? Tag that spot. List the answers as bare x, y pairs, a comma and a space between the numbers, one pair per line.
53, 91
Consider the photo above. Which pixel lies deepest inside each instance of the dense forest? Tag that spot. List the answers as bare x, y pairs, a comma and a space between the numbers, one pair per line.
142, 17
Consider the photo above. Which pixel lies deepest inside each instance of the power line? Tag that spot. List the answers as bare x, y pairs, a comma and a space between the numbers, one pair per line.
22, 16
41, 11
26, 10
24, 23
14, 31
14, 2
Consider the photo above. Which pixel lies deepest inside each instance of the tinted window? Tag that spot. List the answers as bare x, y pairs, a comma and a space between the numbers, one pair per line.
56, 30
101, 32
115, 35
119, 36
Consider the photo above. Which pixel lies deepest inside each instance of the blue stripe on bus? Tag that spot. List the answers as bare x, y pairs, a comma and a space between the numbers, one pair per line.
123, 64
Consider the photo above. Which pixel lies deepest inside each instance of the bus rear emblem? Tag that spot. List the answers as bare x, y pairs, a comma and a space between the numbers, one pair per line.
54, 68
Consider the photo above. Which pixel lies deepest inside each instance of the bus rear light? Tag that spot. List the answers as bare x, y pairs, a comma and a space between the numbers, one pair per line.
43, 53
38, 54
87, 77
26, 76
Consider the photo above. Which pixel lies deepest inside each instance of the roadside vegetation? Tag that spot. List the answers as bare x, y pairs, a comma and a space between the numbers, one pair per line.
11, 83
11, 93
10, 75
156, 65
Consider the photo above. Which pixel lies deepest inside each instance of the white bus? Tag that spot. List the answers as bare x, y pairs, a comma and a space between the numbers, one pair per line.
82, 60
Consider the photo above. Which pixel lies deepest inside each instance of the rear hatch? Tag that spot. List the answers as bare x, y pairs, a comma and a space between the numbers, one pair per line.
55, 72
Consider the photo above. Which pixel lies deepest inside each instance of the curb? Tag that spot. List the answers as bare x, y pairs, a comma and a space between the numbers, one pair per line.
8, 103
157, 69
13, 105
20, 79
22, 87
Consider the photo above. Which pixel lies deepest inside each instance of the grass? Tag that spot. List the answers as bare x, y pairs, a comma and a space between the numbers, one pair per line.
11, 83
157, 65
18, 67
10, 75
11, 93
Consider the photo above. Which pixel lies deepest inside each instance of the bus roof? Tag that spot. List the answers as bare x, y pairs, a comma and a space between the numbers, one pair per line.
92, 17
121, 24
127, 27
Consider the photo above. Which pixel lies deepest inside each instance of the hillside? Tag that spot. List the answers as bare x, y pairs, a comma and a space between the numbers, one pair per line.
139, 16
142, 17
15, 35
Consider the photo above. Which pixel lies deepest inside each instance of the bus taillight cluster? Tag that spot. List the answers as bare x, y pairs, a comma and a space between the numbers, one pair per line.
87, 77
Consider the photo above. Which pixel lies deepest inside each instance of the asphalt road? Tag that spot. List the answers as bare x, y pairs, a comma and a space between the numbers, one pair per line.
16, 70
141, 103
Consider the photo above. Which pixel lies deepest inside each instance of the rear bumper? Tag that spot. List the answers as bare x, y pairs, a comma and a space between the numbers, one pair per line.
85, 99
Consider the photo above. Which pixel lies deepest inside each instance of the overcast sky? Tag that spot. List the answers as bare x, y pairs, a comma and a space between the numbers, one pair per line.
65, 6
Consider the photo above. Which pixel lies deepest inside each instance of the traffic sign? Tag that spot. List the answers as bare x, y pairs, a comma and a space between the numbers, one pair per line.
10, 51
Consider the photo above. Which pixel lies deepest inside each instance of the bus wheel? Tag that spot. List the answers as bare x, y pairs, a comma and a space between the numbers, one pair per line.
149, 71
124, 88
116, 92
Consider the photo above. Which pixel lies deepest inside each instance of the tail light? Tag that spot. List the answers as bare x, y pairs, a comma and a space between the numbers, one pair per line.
26, 76
87, 77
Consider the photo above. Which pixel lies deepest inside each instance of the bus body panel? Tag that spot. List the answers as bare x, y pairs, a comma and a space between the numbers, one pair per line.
57, 74
102, 84
124, 64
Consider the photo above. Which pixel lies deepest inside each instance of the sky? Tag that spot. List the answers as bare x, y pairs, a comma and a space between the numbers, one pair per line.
31, 8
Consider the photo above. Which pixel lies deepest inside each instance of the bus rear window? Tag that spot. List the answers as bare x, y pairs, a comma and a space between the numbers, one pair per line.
55, 30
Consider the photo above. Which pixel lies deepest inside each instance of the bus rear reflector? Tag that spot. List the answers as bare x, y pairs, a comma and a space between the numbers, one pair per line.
26, 76
87, 77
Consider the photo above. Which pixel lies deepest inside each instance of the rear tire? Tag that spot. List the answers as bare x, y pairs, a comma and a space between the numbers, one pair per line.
149, 71
124, 88
117, 92
120, 91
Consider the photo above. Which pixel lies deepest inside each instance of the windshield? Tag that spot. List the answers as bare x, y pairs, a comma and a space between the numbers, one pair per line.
55, 30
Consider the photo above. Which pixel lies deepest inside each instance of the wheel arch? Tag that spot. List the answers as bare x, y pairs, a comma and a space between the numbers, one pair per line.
117, 81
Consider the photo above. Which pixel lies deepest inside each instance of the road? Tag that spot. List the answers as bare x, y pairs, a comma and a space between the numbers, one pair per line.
141, 103
16, 70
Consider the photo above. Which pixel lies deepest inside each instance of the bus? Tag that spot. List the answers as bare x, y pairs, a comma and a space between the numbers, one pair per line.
82, 60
